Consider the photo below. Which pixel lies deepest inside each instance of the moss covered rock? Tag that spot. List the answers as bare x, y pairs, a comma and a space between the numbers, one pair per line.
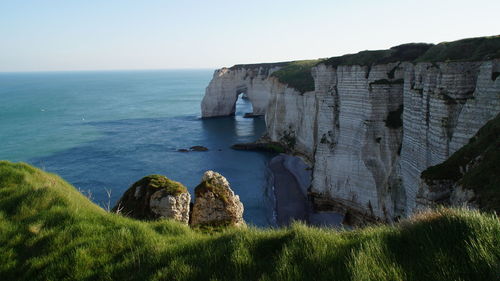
155, 197
215, 203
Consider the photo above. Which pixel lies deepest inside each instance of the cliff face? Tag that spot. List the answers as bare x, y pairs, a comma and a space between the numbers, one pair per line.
469, 176
370, 131
445, 105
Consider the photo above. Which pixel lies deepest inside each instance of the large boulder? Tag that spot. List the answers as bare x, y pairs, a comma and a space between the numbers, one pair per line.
215, 203
155, 197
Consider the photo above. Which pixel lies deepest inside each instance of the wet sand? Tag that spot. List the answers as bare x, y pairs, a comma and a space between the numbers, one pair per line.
291, 204
291, 181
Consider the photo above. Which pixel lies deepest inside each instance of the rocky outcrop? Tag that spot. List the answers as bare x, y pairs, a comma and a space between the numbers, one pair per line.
370, 128
155, 197
469, 177
215, 203
433, 193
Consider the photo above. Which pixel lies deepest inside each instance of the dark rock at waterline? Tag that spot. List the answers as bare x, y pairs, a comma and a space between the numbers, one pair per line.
273, 147
251, 115
198, 148
193, 148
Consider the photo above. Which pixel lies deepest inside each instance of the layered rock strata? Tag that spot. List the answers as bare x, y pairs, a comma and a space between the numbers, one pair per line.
470, 177
369, 131
445, 105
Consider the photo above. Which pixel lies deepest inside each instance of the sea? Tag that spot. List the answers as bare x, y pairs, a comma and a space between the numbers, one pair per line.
103, 130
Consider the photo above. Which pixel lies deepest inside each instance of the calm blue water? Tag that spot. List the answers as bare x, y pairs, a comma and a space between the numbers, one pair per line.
106, 130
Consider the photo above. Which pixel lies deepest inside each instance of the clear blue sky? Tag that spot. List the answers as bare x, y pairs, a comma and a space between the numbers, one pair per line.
149, 34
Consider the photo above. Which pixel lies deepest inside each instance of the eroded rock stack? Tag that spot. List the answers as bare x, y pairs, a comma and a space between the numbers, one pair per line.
215, 203
155, 197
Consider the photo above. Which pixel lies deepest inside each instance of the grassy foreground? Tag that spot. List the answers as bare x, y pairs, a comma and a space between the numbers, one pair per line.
49, 231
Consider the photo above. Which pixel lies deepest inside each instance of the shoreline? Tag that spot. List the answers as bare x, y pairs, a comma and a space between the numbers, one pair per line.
291, 180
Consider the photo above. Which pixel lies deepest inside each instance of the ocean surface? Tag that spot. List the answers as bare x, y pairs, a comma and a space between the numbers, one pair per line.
102, 131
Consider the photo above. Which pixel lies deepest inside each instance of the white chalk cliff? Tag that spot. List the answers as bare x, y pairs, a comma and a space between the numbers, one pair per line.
368, 131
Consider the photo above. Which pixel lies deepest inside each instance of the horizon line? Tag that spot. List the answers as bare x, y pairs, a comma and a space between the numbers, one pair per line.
106, 70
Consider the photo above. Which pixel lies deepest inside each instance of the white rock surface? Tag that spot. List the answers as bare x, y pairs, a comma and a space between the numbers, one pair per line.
361, 163
445, 105
170, 206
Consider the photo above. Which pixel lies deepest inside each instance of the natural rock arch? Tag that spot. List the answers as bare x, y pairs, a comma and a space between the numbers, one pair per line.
242, 93
228, 83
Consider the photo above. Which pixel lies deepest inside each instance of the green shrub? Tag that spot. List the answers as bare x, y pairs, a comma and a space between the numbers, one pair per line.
275, 147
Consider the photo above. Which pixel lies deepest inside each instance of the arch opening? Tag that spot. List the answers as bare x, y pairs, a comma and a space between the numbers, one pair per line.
243, 105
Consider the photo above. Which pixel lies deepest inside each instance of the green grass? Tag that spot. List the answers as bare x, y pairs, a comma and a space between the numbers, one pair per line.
297, 74
161, 182
484, 178
470, 49
405, 52
49, 231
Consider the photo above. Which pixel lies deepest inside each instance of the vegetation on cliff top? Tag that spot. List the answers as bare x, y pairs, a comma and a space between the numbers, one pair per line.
49, 231
470, 49
484, 176
297, 74
405, 52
